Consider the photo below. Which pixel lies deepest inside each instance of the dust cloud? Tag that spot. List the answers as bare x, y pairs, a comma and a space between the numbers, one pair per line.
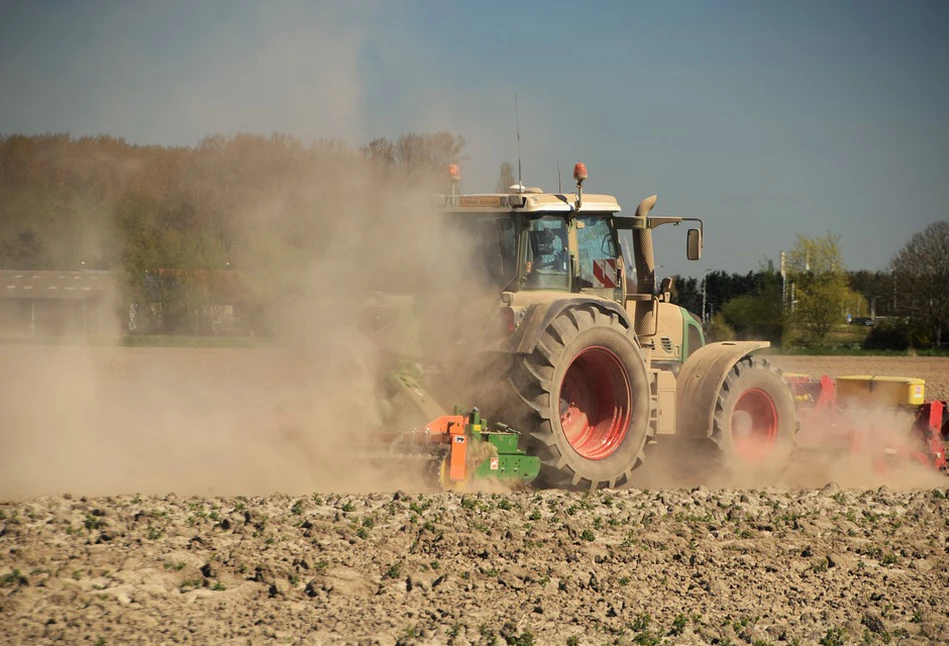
855, 448
861, 447
102, 419
298, 417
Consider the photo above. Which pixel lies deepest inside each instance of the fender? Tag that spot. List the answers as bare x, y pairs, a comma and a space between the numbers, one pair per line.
540, 315
699, 381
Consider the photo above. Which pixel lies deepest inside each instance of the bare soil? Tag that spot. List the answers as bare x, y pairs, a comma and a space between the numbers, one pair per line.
246, 552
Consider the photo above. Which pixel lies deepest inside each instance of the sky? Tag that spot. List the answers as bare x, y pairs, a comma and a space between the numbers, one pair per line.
768, 120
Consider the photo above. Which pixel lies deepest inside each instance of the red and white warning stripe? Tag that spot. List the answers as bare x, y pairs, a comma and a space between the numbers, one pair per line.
604, 272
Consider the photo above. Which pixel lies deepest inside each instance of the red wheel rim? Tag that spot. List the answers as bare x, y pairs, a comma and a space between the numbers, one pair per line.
754, 425
595, 403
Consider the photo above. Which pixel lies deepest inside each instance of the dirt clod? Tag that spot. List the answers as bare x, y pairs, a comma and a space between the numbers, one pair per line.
798, 565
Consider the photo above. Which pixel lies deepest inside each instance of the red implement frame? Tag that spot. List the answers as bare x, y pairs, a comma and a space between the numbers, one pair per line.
931, 416
827, 424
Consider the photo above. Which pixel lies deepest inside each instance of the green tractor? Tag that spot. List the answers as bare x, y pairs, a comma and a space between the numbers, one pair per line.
588, 365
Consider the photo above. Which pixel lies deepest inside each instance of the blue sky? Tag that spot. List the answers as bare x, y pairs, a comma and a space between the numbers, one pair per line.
767, 119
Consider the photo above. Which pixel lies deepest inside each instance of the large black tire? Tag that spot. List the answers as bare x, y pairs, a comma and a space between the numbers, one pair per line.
587, 393
755, 420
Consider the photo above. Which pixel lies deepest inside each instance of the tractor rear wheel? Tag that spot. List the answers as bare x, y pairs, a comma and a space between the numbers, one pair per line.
754, 421
587, 392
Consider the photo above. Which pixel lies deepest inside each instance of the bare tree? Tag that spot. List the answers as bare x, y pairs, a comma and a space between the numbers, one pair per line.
506, 179
921, 272
380, 151
428, 153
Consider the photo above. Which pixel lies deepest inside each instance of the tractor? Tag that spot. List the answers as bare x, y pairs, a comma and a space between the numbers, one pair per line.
588, 365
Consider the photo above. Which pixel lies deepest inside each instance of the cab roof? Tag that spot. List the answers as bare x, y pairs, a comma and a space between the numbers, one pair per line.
530, 202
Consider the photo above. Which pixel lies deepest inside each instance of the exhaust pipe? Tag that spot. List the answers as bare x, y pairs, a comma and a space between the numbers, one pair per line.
644, 320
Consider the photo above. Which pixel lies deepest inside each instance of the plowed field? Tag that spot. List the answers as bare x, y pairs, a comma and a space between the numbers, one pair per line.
267, 538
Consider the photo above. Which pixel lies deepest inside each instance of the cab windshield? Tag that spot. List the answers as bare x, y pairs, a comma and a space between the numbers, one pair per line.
548, 254
508, 251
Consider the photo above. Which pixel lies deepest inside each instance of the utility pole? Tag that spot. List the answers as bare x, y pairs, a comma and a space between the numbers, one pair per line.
704, 292
784, 282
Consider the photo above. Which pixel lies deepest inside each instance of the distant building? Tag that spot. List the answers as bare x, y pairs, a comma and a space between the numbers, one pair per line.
170, 301
55, 303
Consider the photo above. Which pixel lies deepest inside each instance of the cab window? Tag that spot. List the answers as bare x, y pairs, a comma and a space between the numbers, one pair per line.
548, 256
598, 256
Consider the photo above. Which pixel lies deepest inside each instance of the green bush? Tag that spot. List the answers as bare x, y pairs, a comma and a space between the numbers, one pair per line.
896, 335
719, 330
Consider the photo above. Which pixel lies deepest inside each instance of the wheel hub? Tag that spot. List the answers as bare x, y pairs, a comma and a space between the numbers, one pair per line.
754, 425
595, 403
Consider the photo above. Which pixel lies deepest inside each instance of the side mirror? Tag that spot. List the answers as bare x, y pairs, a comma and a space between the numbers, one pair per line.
693, 246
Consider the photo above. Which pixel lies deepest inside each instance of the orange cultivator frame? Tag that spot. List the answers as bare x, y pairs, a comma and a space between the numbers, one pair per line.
882, 418
451, 430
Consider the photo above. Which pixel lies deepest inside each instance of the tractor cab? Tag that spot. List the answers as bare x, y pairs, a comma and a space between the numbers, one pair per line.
538, 242
536, 247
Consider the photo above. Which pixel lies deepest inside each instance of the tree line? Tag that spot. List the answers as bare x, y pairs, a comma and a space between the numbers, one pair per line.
64, 199
171, 220
907, 304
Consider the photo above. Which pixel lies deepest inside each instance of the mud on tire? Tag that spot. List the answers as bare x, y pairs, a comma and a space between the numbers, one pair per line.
755, 420
586, 391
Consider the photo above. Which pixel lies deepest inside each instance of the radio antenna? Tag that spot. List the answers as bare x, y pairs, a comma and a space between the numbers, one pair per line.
517, 121
559, 180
